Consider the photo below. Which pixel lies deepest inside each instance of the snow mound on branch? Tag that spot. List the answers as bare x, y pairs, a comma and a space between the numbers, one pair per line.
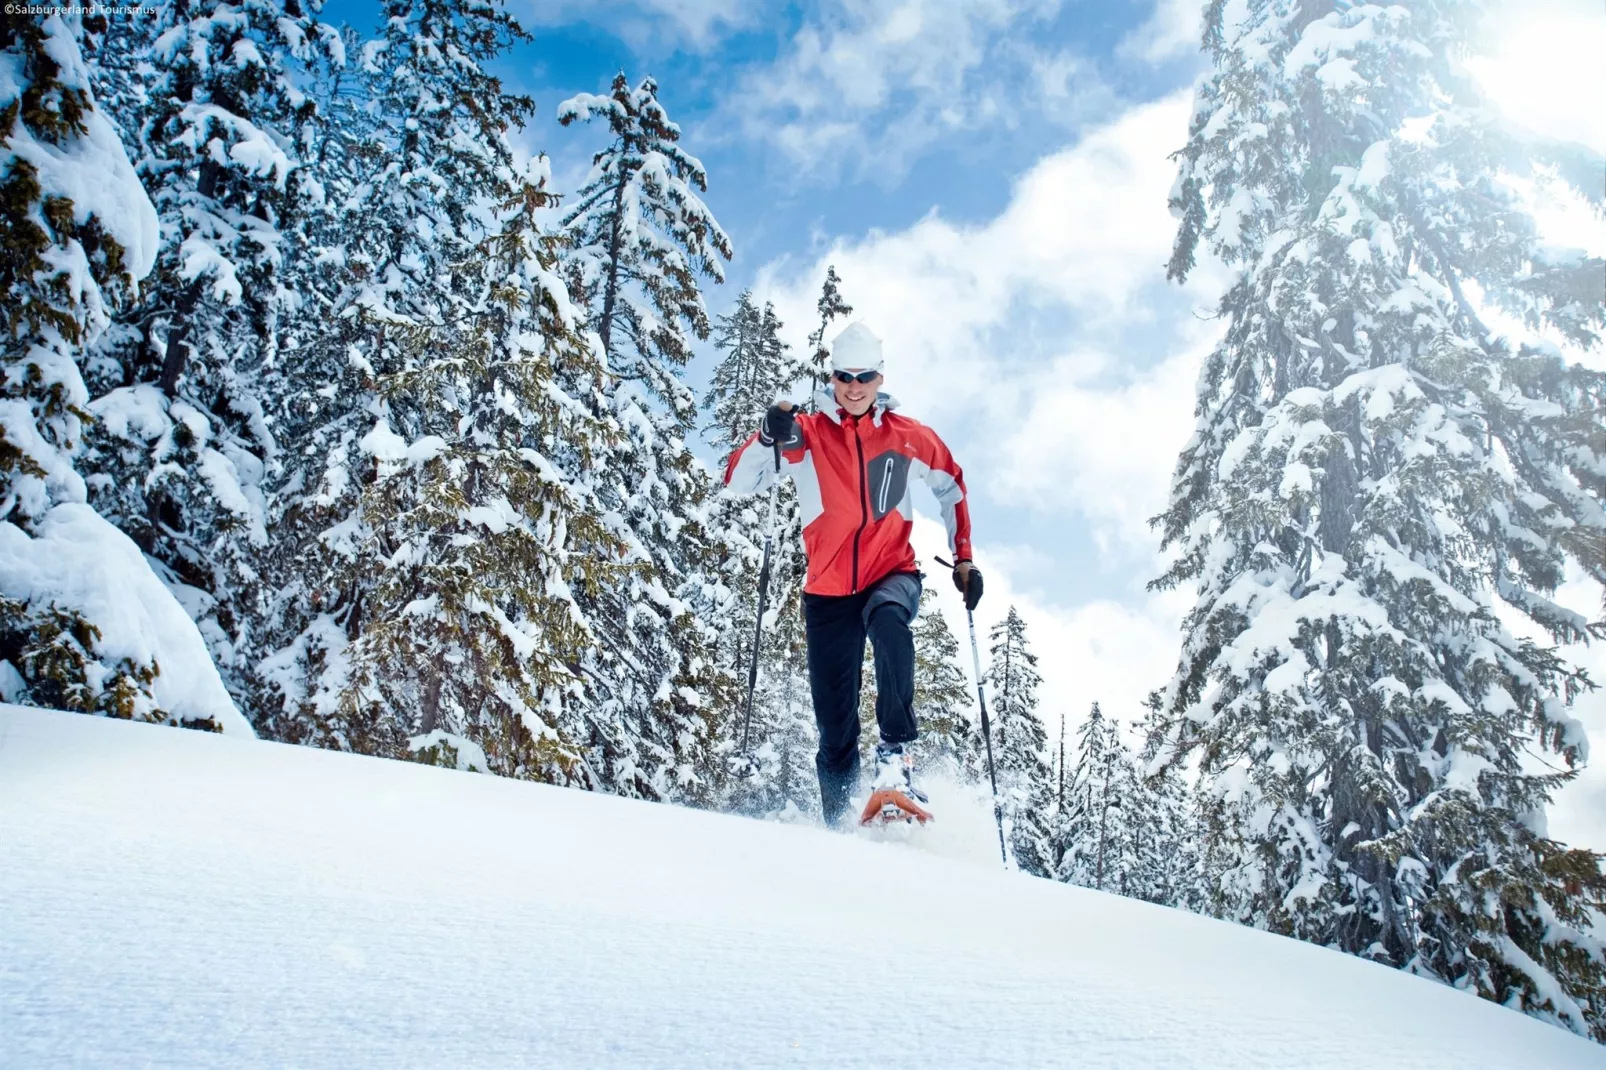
328, 909
92, 170
79, 561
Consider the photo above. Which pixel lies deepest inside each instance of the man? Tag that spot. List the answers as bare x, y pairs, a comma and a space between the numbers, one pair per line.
852, 461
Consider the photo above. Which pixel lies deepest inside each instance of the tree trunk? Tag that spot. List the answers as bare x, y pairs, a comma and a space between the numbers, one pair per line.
1059, 795
432, 705
174, 358
1104, 813
610, 293
178, 342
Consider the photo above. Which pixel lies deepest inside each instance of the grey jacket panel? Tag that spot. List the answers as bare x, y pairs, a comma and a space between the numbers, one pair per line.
888, 479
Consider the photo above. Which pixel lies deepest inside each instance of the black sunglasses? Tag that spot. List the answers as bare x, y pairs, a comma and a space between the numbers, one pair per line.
849, 377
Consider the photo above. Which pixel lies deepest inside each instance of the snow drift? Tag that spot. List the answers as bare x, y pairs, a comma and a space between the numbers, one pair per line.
79, 561
185, 899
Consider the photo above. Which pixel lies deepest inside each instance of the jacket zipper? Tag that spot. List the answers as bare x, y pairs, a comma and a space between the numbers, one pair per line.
864, 505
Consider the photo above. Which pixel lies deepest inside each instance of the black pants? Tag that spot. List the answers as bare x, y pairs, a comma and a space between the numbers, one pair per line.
836, 628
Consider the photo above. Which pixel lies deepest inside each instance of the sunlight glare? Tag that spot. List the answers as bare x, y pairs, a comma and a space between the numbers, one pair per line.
1547, 72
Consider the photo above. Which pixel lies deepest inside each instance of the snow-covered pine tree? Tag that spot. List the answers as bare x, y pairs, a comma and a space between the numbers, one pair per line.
359, 270
764, 368
1020, 745
739, 384
830, 306
1162, 853
84, 625
1371, 469
756, 367
950, 740
1088, 835
440, 432
208, 95
1117, 831
640, 238
482, 536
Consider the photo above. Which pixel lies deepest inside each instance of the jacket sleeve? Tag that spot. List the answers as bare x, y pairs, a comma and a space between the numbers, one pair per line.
751, 467
947, 482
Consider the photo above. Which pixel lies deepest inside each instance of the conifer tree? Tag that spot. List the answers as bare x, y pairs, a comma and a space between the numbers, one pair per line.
1371, 468
440, 522
639, 240
1091, 825
740, 385
78, 235
1161, 853
182, 447
756, 367
949, 739
1020, 745
1059, 773
475, 637
369, 280
830, 306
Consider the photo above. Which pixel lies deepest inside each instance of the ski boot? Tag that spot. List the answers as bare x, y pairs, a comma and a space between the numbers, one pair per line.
893, 795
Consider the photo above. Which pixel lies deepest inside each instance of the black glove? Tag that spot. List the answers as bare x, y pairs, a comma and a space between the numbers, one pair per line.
967, 578
779, 426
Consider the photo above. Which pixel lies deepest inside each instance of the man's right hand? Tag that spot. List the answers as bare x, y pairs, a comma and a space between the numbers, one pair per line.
967, 578
779, 424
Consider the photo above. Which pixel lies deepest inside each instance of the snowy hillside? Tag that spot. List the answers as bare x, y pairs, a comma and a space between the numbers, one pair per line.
185, 899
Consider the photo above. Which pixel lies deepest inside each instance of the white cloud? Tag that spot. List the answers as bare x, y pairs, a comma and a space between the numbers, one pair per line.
652, 27
1171, 31
1107, 449
1046, 337
869, 84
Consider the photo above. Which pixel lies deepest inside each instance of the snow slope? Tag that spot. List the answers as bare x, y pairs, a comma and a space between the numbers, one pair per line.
183, 899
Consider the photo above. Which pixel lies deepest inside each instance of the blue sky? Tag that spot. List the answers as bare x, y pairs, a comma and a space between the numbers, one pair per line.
989, 177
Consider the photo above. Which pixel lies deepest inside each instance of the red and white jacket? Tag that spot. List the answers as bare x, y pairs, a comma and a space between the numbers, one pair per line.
853, 479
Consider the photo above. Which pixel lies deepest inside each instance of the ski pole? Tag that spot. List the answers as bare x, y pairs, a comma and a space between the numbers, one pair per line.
986, 729
758, 624
987, 734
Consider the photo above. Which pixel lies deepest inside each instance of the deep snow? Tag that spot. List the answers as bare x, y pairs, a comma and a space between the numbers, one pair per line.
175, 898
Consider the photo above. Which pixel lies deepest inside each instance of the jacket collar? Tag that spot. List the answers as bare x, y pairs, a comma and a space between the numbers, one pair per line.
825, 401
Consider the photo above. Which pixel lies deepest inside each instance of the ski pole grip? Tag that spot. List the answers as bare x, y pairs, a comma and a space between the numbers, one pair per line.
785, 406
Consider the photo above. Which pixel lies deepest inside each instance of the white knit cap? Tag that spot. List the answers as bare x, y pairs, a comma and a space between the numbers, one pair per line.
856, 350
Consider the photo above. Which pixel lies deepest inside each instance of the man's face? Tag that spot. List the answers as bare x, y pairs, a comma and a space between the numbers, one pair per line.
853, 395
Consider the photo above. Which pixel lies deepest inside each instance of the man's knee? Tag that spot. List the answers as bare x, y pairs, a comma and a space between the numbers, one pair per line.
889, 615
889, 622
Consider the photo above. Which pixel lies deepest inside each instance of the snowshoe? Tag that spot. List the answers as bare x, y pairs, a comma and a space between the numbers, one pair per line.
893, 796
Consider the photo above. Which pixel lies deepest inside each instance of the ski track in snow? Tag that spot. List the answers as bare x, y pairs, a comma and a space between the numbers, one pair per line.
172, 898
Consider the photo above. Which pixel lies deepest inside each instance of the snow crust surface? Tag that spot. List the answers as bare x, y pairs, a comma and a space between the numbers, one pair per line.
178, 898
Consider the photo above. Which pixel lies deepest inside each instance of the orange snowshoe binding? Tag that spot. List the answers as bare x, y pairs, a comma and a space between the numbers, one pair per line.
893, 796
